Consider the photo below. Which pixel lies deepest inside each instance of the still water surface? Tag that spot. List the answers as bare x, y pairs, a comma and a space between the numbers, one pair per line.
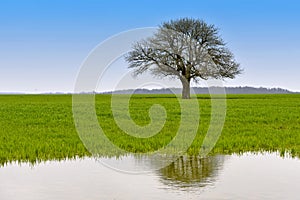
248, 176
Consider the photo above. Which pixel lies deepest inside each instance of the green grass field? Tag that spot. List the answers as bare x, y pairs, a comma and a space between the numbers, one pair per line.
41, 127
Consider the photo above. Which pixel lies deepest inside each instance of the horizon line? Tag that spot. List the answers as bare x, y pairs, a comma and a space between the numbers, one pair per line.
111, 91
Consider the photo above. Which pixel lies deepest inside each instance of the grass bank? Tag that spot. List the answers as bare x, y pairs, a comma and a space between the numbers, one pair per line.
41, 127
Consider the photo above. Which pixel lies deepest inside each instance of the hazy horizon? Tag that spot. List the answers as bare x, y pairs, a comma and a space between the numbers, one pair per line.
149, 89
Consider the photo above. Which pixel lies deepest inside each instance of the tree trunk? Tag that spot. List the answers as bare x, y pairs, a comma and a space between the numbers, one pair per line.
185, 88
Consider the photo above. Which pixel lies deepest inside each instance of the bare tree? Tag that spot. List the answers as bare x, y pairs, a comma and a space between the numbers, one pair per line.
187, 49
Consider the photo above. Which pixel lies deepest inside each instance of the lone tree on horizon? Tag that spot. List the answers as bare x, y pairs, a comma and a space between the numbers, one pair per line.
187, 49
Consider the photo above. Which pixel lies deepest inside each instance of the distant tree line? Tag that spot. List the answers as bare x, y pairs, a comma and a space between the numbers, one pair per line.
204, 90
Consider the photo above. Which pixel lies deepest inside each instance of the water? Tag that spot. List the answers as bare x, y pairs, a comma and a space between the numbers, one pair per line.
219, 177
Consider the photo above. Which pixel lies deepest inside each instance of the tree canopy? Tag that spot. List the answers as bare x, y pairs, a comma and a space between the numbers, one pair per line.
187, 49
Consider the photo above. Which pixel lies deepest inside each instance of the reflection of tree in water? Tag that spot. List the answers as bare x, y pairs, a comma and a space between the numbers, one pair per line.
192, 171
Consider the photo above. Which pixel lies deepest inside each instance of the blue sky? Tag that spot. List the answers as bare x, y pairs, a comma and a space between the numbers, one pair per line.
43, 43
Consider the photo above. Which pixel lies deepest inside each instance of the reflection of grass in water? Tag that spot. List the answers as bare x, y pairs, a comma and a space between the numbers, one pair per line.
41, 127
